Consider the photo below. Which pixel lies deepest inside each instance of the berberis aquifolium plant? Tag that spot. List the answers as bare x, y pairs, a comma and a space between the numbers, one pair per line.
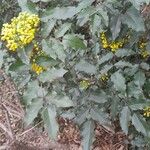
86, 60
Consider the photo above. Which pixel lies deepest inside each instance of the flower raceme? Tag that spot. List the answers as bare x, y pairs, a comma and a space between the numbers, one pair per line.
37, 68
113, 45
35, 53
104, 77
147, 111
20, 31
143, 51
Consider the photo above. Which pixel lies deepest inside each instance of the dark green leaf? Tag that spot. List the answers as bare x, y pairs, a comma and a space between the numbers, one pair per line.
115, 103
33, 91
138, 123
98, 97
124, 52
27, 6
100, 116
87, 133
24, 56
105, 58
139, 78
59, 100
83, 4
133, 19
115, 26
104, 15
119, 81
122, 64
85, 67
74, 42
52, 74
49, 115
47, 48
62, 30
140, 105
80, 119
60, 13
33, 110
137, 3
125, 117
15, 66
2, 54
47, 27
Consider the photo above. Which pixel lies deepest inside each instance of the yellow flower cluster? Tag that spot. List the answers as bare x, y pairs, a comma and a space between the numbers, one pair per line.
147, 111
104, 77
37, 68
35, 53
142, 46
112, 45
104, 40
145, 53
20, 31
84, 84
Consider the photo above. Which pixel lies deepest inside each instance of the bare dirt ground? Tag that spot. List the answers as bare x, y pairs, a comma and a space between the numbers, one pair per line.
13, 136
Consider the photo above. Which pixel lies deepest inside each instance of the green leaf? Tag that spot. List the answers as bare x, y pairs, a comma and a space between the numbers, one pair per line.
124, 52
138, 124
105, 69
2, 54
47, 27
84, 3
125, 117
133, 19
46, 62
35, 1
45, 1
137, 3
104, 15
115, 103
49, 117
122, 64
81, 118
98, 97
33, 110
119, 81
62, 30
25, 80
16, 65
33, 91
96, 24
105, 58
58, 48
52, 74
74, 42
139, 106
115, 26
86, 67
145, 66
84, 15
100, 116
27, 6
88, 133
60, 13
134, 90
139, 78
54, 48
59, 100
47, 48
24, 56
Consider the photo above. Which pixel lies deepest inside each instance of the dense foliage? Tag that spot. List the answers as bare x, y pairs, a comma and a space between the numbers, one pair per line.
86, 60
